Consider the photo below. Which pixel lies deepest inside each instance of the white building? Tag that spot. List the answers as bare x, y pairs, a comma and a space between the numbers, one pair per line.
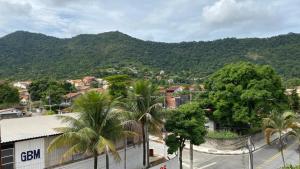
24, 143
22, 85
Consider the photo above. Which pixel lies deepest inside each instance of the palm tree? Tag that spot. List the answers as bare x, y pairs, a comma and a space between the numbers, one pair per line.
278, 123
133, 128
143, 105
93, 131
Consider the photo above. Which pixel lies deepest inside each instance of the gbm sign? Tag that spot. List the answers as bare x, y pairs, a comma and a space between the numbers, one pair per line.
30, 155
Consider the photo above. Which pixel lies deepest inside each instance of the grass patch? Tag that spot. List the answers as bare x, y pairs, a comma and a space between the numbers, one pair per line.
223, 134
291, 167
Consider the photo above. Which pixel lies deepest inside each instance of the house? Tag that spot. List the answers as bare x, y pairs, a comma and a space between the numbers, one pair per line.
173, 100
24, 99
70, 97
87, 80
22, 85
77, 83
10, 113
289, 91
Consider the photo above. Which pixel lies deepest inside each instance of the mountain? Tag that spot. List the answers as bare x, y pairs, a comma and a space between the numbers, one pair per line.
26, 55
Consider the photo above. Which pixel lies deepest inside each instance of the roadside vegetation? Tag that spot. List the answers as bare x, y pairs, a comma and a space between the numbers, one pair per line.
222, 134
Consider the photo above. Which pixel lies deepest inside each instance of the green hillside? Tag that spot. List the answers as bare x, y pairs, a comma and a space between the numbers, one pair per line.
26, 55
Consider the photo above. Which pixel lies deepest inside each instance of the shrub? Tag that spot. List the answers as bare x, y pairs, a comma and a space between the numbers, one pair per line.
223, 134
291, 167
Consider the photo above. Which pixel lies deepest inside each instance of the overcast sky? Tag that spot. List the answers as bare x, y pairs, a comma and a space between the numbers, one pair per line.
156, 20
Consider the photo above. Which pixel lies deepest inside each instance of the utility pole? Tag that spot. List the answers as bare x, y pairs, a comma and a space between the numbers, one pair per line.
250, 147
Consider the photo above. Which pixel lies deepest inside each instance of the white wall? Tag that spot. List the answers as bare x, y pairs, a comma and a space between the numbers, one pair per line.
171, 164
134, 161
24, 157
159, 148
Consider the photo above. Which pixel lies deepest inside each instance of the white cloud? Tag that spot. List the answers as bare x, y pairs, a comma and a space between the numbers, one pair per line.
168, 20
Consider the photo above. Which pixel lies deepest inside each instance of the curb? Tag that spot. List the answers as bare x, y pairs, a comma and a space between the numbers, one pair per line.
223, 153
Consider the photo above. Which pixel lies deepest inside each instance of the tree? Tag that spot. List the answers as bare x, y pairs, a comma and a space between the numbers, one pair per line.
95, 130
53, 94
242, 92
293, 99
118, 85
278, 122
68, 87
185, 123
144, 106
36, 89
8, 95
49, 91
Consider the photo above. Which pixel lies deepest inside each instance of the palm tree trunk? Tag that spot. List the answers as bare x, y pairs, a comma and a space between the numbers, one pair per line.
281, 148
107, 160
125, 152
144, 145
95, 160
180, 157
147, 150
191, 156
299, 151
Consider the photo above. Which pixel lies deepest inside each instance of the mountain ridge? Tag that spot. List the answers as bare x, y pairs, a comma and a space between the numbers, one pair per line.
26, 55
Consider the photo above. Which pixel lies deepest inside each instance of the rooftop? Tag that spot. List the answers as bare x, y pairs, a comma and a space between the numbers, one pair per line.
30, 127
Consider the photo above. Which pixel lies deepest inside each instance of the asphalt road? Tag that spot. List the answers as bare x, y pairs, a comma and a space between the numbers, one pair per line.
266, 158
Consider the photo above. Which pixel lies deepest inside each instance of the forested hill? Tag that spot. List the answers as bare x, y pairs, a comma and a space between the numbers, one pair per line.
26, 55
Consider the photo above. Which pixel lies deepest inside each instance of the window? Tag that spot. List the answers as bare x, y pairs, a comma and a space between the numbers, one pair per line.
7, 155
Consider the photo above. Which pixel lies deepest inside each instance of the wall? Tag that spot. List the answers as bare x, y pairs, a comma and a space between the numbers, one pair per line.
134, 161
159, 148
171, 164
54, 157
30, 154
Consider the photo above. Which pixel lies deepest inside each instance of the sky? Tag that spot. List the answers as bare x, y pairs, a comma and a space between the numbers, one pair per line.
155, 20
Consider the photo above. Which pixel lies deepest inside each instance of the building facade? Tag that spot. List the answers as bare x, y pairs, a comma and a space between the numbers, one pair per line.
24, 143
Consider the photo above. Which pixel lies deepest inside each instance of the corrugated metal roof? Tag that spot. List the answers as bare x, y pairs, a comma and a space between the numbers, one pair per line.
30, 127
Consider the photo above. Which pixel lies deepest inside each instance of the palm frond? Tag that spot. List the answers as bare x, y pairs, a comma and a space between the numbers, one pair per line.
105, 145
268, 134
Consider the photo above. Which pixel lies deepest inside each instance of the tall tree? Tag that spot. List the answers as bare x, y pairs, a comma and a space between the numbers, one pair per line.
278, 122
8, 95
95, 130
185, 123
242, 92
46, 90
118, 85
144, 106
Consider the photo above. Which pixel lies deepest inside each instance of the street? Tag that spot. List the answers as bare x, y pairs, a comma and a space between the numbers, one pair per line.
266, 158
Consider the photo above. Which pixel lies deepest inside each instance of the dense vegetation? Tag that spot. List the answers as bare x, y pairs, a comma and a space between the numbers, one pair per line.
49, 91
8, 95
222, 134
27, 55
241, 94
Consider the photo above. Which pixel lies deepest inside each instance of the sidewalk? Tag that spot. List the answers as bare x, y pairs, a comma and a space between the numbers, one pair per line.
205, 148
210, 150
